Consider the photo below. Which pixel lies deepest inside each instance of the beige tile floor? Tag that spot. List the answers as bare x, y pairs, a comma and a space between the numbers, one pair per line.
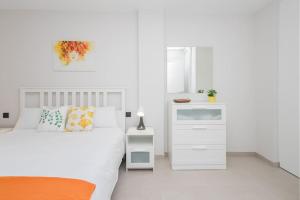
247, 178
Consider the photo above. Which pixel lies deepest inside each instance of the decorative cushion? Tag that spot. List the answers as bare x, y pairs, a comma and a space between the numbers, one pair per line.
80, 118
53, 119
29, 118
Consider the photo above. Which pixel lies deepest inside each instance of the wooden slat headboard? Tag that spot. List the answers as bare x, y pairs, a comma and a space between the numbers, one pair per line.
64, 96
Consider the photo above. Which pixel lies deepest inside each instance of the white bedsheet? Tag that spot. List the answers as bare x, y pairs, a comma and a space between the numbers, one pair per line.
95, 156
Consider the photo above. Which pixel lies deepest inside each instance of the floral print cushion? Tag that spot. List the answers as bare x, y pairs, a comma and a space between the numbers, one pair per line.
80, 118
53, 119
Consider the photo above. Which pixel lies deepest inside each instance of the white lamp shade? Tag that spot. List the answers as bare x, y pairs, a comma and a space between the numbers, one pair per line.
140, 112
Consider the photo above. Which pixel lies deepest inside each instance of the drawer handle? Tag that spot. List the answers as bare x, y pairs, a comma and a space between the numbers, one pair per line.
201, 108
139, 150
199, 148
199, 128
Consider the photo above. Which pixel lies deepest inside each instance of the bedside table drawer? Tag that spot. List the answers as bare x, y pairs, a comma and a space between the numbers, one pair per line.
199, 154
199, 137
140, 157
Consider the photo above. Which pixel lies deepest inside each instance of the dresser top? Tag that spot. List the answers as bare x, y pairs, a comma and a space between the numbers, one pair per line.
197, 103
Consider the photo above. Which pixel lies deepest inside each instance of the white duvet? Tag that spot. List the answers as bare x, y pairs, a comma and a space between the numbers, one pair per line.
93, 156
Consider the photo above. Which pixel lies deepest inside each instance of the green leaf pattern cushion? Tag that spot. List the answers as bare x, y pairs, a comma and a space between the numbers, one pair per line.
52, 119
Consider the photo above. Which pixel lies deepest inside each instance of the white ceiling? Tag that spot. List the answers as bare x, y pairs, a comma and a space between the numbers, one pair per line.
199, 6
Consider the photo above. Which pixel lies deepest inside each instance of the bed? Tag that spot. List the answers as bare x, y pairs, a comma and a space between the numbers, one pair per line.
93, 156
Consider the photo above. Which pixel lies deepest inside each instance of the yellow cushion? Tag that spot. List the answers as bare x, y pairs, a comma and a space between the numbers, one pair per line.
80, 118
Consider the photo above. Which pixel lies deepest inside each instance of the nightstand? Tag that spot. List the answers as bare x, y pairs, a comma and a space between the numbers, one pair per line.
140, 148
5, 130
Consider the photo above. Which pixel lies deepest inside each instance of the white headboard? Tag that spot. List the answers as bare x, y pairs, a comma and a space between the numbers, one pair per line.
64, 96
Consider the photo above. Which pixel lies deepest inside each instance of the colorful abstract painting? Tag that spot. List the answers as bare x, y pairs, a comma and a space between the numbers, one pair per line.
74, 56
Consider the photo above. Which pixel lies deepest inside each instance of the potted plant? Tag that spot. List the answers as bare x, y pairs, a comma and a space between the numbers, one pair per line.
211, 95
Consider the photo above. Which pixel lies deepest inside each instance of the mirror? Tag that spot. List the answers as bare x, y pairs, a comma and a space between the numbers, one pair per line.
189, 69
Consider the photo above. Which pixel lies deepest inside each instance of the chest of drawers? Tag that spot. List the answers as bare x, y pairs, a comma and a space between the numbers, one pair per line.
197, 136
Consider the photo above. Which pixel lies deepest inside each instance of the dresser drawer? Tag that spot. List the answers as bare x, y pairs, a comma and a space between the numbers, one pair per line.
195, 134
199, 137
202, 114
199, 155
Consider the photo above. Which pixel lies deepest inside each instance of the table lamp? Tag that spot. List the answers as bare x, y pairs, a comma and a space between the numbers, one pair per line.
141, 114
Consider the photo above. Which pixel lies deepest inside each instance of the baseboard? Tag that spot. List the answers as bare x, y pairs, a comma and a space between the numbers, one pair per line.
274, 164
241, 153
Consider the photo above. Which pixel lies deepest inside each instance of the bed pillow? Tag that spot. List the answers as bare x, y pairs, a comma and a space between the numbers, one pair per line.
80, 118
29, 118
105, 117
53, 119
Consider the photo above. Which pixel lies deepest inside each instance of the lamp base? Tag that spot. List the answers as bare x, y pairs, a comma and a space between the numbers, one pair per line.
141, 125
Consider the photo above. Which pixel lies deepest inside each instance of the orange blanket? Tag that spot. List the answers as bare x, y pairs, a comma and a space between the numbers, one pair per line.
44, 188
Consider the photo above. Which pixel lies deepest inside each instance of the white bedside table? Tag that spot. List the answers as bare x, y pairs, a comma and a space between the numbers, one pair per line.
5, 130
140, 148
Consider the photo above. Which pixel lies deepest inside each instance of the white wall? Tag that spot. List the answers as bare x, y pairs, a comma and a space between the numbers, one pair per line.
152, 72
26, 58
266, 72
121, 38
232, 40
299, 92
26, 53
288, 86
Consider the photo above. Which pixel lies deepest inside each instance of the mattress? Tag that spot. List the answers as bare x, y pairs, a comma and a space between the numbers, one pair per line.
93, 156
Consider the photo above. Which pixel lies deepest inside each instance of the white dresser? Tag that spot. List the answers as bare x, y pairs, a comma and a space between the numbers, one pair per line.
197, 135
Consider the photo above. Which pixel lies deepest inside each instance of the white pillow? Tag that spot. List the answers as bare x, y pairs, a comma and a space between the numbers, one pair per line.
105, 117
53, 119
29, 118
